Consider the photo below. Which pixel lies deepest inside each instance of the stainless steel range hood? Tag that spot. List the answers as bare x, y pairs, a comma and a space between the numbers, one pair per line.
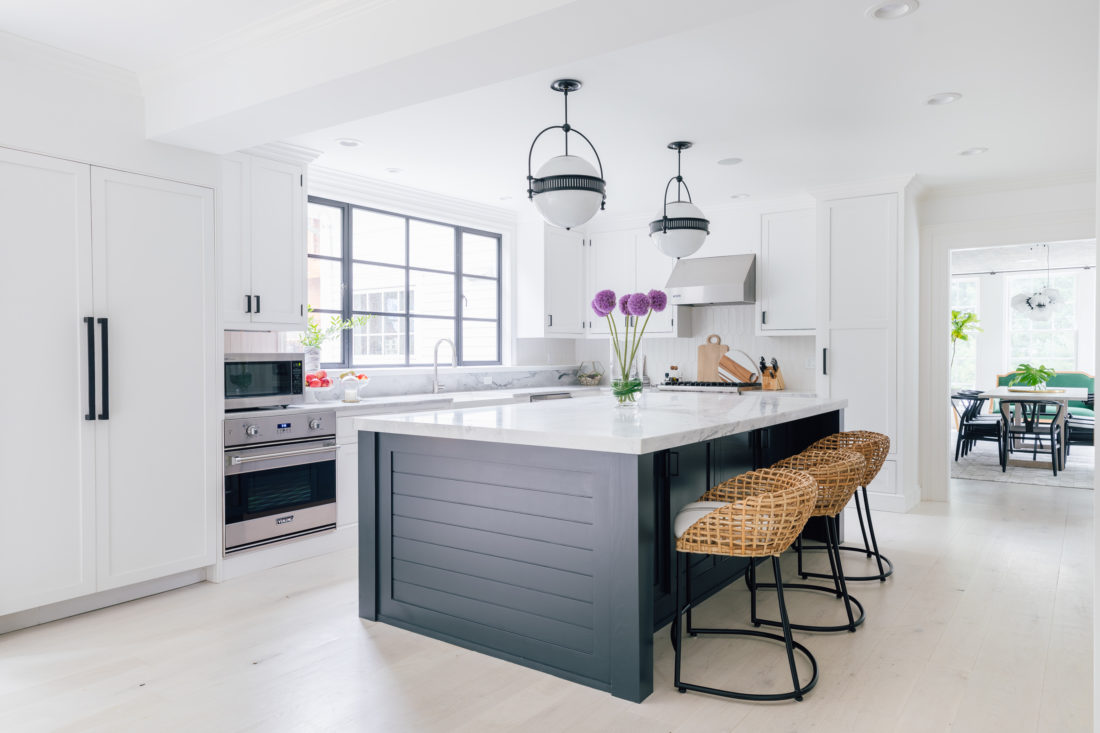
728, 280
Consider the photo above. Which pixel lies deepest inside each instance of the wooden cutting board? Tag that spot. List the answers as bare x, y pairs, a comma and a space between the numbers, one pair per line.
710, 354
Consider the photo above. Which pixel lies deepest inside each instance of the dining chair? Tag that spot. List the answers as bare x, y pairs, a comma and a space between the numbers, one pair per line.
973, 426
1032, 420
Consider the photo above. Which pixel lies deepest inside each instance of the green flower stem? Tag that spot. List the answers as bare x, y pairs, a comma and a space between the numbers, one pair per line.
615, 339
638, 337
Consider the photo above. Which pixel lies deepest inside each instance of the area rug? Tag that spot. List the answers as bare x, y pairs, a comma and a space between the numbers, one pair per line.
981, 464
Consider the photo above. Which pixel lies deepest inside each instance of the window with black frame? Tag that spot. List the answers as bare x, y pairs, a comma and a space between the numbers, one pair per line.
417, 280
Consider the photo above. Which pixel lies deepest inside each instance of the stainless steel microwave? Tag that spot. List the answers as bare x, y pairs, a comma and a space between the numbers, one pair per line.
263, 380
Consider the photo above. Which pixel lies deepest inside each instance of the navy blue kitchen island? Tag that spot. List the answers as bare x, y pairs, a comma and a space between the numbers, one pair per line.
541, 533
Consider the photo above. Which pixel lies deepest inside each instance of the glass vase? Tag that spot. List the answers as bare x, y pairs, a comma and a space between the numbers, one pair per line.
626, 389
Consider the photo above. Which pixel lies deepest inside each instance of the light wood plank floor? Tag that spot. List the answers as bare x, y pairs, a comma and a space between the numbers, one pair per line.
986, 627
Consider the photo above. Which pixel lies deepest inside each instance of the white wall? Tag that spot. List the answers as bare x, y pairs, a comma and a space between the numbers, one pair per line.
963, 219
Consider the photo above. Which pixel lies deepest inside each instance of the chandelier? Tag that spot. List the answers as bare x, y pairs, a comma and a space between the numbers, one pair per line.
681, 229
1039, 305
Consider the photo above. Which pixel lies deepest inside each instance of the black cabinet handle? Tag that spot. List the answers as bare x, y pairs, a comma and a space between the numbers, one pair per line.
549, 320
90, 323
257, 303
825, 361
104, 414
248, 304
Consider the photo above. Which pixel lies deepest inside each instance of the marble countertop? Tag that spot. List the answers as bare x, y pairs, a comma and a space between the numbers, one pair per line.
665, 420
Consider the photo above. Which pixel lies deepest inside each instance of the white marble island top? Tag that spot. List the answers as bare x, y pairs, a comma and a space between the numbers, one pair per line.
665, 420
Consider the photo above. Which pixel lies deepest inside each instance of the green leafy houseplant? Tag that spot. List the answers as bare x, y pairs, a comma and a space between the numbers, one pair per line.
1032, 376
963, 325
315, 335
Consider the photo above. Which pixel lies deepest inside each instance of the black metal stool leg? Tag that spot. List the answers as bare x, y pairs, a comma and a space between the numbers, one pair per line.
874, 540
885, 566
833, 531
677, 636
863, 529
788, 638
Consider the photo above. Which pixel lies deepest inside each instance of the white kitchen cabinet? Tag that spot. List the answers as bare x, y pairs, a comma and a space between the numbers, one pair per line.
564, 283
263, 230
347, 481
786, 273
626, 261
651, 272
47, 485
156, 512
860, 241
112, 283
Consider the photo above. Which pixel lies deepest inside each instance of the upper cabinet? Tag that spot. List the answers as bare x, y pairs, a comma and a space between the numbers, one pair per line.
786, 273
626, 261
263, 244
550, 286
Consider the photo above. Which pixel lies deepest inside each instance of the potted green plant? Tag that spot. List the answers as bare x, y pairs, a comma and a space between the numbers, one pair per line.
963, 325
315, 335
1032, 376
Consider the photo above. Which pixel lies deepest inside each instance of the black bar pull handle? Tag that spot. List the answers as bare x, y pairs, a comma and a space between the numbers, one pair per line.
90, 323
248, 304
104, 414
825, 361
257, 303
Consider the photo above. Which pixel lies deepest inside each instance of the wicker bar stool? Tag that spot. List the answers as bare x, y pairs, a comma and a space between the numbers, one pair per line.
761, 515
873, 447
837, 474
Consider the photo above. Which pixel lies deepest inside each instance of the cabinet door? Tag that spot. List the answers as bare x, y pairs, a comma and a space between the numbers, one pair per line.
611, 263
277, 228
788, 273
236, 243
652, 270
565, 301
347, 483
47, 488
157, 469
858, 310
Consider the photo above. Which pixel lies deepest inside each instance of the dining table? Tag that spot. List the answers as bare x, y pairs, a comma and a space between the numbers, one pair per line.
1064, 395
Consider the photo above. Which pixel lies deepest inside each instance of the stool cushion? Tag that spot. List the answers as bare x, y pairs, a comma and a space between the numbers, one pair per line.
692, 513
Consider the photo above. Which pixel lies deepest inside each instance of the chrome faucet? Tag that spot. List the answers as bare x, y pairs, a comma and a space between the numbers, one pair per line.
436, 386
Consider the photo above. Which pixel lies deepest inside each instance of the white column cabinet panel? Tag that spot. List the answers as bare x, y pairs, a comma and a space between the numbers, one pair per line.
564, 282
347, 484
787, 272
47, 490
153, 250
263, 226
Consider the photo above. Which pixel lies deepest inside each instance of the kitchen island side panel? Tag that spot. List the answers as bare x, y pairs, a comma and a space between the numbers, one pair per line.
512, 550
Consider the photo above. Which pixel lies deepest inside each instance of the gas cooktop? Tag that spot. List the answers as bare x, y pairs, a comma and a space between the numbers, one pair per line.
725, 387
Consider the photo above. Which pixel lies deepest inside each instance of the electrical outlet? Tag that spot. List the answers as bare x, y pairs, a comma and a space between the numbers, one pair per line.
486, 380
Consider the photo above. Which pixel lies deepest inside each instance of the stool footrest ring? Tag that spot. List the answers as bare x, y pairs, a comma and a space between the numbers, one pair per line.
807, 627
886, 573
764, 697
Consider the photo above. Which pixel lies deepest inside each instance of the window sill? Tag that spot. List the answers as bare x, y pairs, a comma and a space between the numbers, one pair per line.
397, 371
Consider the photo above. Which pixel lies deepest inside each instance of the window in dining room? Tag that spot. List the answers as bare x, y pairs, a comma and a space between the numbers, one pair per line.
1053, 342
965, 296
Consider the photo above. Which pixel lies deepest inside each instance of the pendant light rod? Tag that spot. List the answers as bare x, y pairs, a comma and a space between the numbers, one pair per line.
679, 146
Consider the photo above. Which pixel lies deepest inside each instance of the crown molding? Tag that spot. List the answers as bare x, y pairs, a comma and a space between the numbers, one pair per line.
286, 153
1067, 178
886, 184
25, 52
374, 193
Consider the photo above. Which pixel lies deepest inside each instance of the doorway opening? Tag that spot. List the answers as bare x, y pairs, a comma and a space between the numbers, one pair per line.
1023, 317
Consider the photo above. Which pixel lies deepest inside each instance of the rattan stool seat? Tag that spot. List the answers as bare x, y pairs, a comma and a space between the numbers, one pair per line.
759, 514
874, 447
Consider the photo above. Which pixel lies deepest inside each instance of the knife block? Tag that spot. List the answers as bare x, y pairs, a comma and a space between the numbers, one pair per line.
772, 379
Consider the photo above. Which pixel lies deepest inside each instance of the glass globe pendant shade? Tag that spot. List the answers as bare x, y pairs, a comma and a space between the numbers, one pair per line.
681, 231
1019, 303
568, 191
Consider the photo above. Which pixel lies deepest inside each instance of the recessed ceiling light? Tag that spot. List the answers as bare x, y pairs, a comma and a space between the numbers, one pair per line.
892, 9
393, 170
739, 196
729, 161
974, 151
943, 98
348, 142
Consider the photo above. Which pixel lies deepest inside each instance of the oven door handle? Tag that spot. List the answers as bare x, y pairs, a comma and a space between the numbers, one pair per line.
238, 460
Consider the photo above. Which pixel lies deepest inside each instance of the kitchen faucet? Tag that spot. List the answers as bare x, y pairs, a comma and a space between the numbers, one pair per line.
436, 386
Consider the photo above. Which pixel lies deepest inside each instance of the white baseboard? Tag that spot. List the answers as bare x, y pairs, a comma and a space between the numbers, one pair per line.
95, 601
270, 556
899, 503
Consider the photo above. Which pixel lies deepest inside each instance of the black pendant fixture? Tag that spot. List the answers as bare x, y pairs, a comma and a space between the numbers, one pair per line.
681, 229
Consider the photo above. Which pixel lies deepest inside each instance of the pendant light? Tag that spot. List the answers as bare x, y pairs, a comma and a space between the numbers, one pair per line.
682, 228
567, 190
1038, 306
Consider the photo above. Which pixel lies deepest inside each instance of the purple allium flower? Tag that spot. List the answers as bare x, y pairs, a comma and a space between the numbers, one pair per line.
638, 305
623, 305
657, 300
604, 303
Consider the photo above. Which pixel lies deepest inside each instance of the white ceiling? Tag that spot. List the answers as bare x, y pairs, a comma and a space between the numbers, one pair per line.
137, 35
808, 93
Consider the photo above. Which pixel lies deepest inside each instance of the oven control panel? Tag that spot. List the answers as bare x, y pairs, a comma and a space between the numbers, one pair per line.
279, 425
